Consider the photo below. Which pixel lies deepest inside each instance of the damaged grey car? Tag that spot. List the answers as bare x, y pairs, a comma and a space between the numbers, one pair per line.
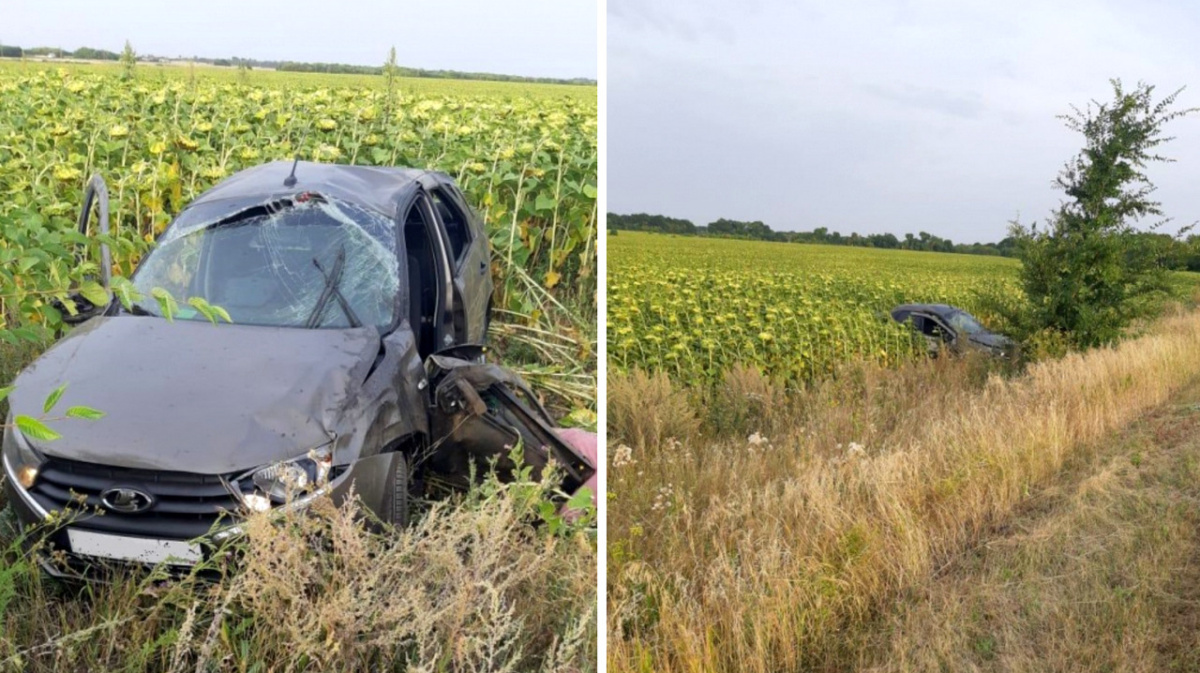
359, 299
946, 328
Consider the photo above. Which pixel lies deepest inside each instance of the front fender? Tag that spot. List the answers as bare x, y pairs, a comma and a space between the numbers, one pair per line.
390, 404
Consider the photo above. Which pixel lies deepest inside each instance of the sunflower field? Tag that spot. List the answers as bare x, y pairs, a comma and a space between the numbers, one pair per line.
525, 155
695, 306
526, 161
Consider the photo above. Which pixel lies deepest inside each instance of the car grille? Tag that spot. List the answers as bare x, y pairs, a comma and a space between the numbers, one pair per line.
185, 505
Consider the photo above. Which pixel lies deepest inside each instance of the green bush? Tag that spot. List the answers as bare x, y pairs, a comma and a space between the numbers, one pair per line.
1089, 274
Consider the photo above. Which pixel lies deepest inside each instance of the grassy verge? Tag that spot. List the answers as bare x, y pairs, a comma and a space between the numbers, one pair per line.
1097, 572
772, 537
471, 587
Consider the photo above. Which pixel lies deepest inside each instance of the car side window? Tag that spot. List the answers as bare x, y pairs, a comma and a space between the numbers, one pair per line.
941, 331
931, 328
455, 221
924, 325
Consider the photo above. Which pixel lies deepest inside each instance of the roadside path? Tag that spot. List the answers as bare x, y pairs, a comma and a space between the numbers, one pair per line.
1100, 571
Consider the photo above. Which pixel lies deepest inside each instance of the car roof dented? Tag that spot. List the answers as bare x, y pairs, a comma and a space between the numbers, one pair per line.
942, 310
380, 188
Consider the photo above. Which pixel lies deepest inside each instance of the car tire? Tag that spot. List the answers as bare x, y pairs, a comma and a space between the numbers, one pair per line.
397, 508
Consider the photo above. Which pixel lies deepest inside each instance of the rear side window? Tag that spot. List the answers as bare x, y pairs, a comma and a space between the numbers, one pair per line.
455, 220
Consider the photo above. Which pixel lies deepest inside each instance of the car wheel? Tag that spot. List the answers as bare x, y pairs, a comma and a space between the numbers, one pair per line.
398, 503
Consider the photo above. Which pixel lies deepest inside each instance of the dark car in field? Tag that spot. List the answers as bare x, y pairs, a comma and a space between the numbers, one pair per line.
359, 299
946, 327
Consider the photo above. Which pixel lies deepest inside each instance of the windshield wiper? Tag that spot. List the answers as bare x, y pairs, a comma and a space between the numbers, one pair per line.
332, 280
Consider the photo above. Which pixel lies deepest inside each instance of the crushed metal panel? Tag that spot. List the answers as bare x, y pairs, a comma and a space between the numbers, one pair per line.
382, 188
192, 397
389, 405
479, 415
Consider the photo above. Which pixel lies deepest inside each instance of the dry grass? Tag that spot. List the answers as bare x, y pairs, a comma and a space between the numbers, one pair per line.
472, 587
1097, 573
781, 552
648, 410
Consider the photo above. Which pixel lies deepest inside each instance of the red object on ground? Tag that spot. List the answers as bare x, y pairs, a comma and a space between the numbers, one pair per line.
585, 442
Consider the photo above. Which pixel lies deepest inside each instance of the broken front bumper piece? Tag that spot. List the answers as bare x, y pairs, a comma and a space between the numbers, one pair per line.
482, 411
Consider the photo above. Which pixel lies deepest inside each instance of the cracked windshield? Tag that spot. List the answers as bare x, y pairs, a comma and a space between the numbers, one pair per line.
285, 264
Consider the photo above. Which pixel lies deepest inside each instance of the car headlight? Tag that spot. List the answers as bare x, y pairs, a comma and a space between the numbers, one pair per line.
287, 481
20, 458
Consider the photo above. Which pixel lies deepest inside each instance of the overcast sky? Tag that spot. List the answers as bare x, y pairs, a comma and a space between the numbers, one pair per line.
551, 38
875, 116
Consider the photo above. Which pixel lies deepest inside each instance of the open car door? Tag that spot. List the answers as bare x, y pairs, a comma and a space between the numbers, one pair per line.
481, 411
84, 307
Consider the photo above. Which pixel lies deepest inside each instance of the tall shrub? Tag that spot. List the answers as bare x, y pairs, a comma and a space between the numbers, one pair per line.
1088, 274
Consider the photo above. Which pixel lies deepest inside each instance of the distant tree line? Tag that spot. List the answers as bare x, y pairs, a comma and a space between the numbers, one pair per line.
402, 71
1171, 252
657, 223
12, 51
756, 230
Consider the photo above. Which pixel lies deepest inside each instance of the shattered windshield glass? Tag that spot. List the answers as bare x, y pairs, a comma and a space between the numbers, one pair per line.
963, 322
310, 263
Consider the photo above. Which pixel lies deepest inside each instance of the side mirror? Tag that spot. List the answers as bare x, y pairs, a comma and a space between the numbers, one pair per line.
84, 309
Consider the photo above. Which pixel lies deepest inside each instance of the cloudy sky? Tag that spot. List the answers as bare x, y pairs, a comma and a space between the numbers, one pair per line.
552, 38
872, 116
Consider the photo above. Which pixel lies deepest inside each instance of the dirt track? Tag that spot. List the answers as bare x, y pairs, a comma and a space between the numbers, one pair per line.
1098, 572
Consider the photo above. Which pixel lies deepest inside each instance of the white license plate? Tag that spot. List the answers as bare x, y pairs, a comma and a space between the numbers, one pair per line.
139, 549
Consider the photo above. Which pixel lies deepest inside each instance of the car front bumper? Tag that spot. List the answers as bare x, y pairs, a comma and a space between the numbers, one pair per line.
48, 533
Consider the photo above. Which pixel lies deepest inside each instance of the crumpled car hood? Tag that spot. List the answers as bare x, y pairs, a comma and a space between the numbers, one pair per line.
195, 397
991, 340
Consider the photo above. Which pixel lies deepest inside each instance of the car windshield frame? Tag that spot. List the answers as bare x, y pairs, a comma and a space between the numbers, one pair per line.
276, 230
